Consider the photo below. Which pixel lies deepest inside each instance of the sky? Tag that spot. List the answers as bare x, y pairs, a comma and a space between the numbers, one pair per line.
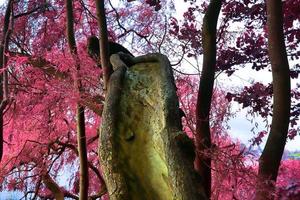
240, 125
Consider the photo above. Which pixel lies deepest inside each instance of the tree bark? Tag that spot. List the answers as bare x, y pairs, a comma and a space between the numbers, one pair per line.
81, 137
269, 161
143, 152
103, 42
203, 138
3, 61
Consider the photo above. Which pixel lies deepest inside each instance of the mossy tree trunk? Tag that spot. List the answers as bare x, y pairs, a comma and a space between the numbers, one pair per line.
143, 152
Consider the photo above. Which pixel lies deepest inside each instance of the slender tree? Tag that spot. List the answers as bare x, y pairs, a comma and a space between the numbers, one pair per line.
103, 42
3, 61
269, 161
81, 136
203, 137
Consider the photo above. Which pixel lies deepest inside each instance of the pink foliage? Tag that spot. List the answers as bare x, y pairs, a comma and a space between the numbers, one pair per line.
187, 89
288, 183
233, 168
40, 122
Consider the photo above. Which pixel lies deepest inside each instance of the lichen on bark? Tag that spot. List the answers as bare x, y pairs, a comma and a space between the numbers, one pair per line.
140, 139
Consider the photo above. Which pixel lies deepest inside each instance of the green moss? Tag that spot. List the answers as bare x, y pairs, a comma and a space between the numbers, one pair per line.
141, 148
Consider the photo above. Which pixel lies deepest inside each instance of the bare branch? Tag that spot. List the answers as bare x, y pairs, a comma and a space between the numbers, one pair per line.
41, 8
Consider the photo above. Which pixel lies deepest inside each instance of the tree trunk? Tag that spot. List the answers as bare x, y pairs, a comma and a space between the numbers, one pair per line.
103, 43
269, 161
203, 138
81, 137
143, 152
82, 150
3, 47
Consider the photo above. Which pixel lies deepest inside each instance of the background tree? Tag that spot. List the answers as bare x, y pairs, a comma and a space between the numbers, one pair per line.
81, 135
203, 136
103, 42
271, 156
3, 61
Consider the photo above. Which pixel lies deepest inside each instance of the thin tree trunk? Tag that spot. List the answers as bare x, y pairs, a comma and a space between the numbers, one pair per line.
3, 61
103, 42
269, 161
203, 138
81, 137
82, 149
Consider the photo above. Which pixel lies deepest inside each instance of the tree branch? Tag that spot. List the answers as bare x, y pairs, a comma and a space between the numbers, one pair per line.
41, 7
53, 187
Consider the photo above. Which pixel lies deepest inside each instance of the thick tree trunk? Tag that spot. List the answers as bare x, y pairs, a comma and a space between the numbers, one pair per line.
270, 159
81, 137
203, 138
143, 152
